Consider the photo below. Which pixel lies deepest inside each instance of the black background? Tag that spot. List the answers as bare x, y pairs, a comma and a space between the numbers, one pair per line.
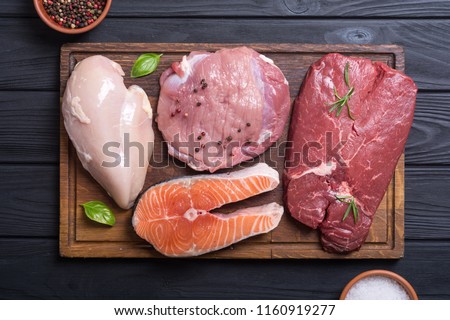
30, 266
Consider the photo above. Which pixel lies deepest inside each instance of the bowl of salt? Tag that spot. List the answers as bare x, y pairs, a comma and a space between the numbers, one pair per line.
378, 285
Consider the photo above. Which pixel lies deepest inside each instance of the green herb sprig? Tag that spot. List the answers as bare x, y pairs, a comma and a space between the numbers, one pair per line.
145, 64
342, 101
99, 212
351, 206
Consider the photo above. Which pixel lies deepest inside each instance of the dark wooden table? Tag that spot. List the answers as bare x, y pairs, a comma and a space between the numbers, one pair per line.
30, 266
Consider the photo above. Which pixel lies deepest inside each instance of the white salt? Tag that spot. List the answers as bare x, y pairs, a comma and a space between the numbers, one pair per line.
377, 288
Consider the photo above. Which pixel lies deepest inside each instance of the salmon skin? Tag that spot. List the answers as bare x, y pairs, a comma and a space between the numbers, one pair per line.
174, 216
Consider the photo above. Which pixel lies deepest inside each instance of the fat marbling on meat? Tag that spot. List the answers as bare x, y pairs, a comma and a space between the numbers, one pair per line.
216, 110
110, 127
334, 156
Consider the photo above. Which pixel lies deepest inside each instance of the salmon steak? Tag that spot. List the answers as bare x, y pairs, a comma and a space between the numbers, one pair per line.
175, 218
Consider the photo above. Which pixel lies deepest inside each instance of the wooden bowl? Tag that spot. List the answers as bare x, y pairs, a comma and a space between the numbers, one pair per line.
39, 6
383, 273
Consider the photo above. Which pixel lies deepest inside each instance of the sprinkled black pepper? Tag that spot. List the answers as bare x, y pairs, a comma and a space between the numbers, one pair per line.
248, 124
199, 104
178, 110
229, 138
197, 149
204, 84
195, 90
203, 133
199, 138
219, 142
172, 114
239, 130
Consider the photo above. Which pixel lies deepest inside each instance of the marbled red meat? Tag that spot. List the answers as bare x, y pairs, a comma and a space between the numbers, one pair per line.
334, 156
216, 110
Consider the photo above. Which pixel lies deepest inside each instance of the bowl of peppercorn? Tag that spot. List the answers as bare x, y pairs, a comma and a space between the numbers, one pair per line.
72, 16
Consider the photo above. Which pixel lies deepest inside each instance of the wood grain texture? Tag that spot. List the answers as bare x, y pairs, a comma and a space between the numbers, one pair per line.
28, 58
31, 270
29, 201
428, 142
29, 127
260, 8
428, 203
29, 197
35, 138
81, 238
285, 8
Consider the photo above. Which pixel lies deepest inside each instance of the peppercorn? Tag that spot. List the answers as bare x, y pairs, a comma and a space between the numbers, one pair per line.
74, 14
239, 130
248, 124
203, 83
229, 138
199, 104
195, 90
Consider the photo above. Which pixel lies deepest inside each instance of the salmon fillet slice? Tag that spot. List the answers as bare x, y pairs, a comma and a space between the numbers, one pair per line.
174, 216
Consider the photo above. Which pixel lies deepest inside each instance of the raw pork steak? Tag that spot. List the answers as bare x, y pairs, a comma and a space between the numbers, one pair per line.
338, 167
216, 110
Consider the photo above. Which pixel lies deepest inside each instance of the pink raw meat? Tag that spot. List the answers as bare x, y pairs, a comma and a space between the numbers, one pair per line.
216, 110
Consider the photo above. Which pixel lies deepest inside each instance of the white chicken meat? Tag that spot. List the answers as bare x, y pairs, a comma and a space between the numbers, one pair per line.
110, 127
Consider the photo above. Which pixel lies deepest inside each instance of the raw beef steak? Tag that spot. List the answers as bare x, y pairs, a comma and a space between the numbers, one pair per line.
347, 135
216, 110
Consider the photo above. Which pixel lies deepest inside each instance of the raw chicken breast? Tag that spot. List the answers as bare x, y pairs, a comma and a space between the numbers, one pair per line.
216, 110
110, 127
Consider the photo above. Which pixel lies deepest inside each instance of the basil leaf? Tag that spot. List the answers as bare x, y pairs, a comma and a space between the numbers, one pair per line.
145, 64
99, 212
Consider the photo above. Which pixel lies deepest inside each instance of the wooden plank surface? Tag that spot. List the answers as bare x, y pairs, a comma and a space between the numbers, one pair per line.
29, 69
31, 58
79, 237
260, 8
32, 141
33, 272
30, 202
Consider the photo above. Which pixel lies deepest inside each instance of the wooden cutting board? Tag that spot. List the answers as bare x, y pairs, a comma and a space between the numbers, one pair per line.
80, 237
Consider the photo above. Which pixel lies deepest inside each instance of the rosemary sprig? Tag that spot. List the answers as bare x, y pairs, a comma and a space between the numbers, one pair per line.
342, 101
351, 206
